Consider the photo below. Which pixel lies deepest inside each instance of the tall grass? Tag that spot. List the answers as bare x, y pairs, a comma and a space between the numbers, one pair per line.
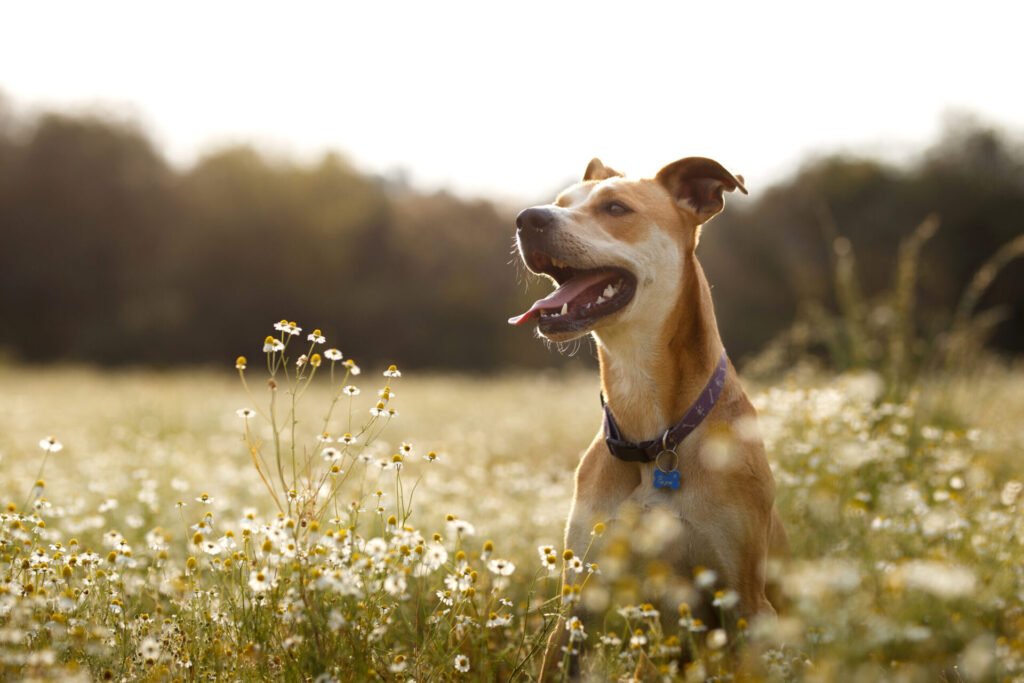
883, 333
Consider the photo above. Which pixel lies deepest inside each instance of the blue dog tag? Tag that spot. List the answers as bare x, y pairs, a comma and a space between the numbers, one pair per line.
666, 480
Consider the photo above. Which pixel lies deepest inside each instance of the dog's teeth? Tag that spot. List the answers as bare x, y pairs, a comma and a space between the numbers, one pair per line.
608, 292
600, 300
565, 309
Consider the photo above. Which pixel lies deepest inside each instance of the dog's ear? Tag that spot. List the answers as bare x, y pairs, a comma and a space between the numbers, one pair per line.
698, 184
598, 171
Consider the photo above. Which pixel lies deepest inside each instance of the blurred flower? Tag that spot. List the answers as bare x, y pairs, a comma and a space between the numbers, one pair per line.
332, 355
245, 413
461, 663
258, 581
351, 390
149, 649
461, 526
941, 579
717, 639
316, 337
638, 640
726, 599
497, 621
331, 454
705, 578
270, 345
392, 371
1008, 496
575, 628
647, 611
240, 363
501, 567
51, 445
352, 367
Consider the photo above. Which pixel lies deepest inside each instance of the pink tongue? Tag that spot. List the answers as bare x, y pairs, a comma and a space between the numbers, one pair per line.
563, 295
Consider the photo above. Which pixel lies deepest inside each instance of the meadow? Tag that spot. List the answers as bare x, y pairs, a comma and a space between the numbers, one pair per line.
184, 526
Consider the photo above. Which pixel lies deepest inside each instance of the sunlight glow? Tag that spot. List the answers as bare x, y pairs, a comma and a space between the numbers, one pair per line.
511, 101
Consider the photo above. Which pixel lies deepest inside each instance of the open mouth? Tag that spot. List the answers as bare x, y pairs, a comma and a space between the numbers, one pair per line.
583, 296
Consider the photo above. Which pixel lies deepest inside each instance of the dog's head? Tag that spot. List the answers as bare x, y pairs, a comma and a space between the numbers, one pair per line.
615, 247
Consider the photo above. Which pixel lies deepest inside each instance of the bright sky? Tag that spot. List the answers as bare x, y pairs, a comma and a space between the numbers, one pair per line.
510, 100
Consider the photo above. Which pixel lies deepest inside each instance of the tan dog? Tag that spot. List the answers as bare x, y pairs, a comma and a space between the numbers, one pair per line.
623, 255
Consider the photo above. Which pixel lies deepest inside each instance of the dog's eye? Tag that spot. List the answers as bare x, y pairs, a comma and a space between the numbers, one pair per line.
617, 209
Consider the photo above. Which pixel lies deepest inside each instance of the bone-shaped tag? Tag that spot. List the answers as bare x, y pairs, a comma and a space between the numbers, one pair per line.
666, 480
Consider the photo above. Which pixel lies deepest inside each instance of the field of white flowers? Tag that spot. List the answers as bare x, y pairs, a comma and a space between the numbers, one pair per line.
328, 525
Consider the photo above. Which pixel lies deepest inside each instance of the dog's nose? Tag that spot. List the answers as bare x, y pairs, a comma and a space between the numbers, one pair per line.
534, 218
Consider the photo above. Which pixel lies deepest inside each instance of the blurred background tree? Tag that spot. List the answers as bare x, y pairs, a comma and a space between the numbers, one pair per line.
110, 255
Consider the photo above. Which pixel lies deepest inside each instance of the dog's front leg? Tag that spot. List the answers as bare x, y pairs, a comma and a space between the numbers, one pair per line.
603, 483
745, 558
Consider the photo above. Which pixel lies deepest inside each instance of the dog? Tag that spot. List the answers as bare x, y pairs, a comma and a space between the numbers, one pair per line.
622, 254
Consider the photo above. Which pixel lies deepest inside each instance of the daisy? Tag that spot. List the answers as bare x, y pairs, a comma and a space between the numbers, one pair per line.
51, 445
316, 337
497, 621
332, 355
149, 649
638, 640
461, 663
501, 567
259, 582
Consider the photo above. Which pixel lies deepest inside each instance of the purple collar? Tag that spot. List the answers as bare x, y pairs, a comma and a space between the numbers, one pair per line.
647, 451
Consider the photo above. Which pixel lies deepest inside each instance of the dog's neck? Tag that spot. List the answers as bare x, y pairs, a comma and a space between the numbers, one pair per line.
650, 377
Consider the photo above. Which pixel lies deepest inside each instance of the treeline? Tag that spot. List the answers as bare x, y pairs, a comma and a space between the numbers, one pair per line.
108, 254
774, 261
